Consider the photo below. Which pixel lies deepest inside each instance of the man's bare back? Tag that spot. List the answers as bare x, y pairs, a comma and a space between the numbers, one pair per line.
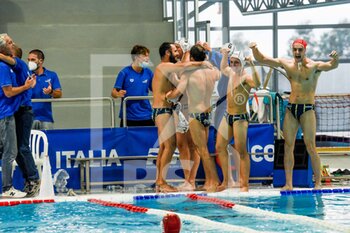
200, 88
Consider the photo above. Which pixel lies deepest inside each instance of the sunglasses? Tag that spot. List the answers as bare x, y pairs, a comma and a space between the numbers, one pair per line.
298, 49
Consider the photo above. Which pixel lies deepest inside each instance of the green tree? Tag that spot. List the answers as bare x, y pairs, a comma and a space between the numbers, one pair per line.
308, 36
337, 39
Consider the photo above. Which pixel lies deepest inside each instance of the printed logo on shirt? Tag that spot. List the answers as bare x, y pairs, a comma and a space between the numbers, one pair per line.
132, 80
48, 80
145, 81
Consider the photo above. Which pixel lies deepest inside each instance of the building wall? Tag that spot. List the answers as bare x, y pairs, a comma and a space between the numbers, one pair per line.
86, 42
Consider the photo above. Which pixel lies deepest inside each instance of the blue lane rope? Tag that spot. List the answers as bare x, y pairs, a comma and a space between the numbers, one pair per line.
314, 191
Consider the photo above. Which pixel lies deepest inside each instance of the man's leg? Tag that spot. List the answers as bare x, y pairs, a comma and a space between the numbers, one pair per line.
240, 129
182, 145
194, 157
8, 138
290, 129
308, 124
25, 160
224, 134
167, 140
200, 138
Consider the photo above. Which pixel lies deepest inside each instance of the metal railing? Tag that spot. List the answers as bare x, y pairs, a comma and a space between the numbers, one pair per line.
267, 95
83, 99
126, 99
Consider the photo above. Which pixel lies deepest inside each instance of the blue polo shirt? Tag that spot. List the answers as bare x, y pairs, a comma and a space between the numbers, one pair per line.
43, 111
22, 72
135, 84
8, 106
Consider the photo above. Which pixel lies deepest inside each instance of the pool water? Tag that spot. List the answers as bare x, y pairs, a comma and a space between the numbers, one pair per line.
79, 217
90, 217
332, 208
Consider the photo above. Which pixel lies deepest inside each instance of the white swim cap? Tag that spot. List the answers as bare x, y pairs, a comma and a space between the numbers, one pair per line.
238, 55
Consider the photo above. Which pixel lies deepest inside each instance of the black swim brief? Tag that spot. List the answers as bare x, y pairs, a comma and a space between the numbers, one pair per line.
298, 109
230, 119
204, 118
159, 111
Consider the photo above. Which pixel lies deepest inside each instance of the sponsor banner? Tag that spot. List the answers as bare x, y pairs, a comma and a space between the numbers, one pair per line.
116, 143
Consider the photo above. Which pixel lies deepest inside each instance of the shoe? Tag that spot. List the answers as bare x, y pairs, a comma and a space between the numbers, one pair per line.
26, 187
337, 173
13, 193
33, 188
346, 172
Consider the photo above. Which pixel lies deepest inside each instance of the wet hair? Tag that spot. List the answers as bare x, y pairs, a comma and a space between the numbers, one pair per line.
138, 50
166, 46
17, 51
197, 52
38, 53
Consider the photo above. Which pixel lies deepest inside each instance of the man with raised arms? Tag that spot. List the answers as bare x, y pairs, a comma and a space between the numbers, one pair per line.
236, 119
303, 74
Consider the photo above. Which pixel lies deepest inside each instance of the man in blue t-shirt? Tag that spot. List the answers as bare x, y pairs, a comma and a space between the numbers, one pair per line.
135, 80
10, 100
47, 86
24, 121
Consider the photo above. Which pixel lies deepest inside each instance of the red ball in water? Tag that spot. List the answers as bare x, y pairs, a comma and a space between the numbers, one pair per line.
171, 223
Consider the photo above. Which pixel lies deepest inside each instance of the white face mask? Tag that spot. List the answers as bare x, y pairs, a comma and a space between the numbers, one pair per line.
32, 66
144, 64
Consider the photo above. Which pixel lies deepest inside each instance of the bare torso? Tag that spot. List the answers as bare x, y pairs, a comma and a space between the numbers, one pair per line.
160, 86
237, 93
303, 81
200, 88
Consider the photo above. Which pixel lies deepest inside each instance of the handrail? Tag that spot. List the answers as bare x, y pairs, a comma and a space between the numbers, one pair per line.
151, 97
83, 99
132, 98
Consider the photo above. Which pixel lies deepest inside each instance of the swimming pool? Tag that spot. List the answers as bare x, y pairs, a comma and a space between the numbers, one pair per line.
272, 213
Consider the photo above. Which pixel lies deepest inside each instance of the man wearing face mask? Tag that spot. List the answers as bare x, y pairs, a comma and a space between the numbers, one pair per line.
47, 86
135, 80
